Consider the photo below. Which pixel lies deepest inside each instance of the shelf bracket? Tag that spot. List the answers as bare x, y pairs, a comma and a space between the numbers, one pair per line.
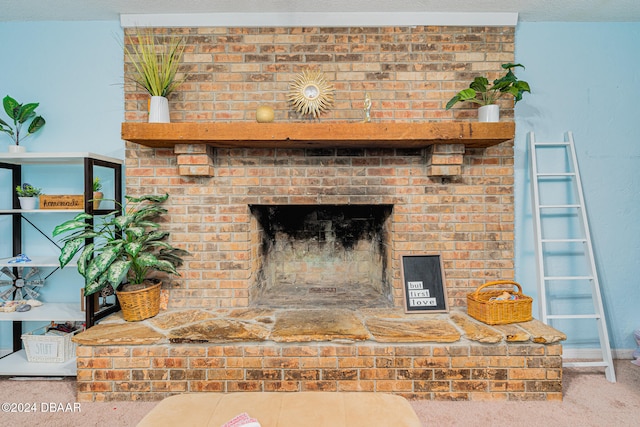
195, 159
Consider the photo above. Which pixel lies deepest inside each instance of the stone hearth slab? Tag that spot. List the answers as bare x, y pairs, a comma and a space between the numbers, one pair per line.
119, 334
513, 333
219, 331
384, 325
318, 325
474, 330
541, 333
177, 319
419, 330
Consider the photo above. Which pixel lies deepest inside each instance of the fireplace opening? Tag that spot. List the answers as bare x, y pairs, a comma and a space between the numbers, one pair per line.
308, 256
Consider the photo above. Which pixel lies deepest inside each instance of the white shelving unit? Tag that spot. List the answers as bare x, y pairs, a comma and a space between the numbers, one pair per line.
16, 363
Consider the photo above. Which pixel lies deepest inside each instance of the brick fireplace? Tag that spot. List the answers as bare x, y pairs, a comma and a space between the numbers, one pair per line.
324, 224
459, 205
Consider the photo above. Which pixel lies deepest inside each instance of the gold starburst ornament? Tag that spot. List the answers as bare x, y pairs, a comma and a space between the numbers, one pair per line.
310, 93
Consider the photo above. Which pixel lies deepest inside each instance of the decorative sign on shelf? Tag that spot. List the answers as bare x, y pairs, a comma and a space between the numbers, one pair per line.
61, 201
423, 284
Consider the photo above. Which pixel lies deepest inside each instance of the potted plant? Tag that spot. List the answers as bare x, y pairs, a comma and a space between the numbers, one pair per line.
128, 246
485, 95
155, 68
97, 194
20, 114
28, 196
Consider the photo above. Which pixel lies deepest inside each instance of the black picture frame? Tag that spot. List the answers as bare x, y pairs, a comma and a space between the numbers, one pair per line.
423, 284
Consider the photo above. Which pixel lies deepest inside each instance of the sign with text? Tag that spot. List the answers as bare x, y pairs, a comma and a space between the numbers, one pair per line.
423, 283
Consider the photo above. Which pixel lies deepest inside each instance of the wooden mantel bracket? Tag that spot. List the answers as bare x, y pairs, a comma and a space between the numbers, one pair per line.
193, 142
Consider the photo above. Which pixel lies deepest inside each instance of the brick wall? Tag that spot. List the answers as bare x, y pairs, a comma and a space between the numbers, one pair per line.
409, 73
524, 371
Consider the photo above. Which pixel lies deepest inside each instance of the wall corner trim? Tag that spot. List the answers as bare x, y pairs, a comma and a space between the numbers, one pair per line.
319, 19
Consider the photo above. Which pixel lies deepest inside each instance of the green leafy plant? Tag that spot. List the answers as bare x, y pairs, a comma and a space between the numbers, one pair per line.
97, 185
127, 244
20, 114
27, 190
480, 92
155, 66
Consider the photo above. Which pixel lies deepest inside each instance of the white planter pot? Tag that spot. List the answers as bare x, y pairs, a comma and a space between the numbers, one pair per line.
159, 110
17, 149
28, 203
489, 113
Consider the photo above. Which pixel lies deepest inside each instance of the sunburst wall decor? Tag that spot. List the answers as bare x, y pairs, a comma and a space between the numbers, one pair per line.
310, 93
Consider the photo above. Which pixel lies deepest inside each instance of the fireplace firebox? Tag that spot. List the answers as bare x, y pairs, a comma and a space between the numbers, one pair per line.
322, 256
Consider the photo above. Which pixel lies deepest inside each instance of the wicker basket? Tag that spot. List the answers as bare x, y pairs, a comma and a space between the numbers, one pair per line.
141, 304
44, 347
484, 307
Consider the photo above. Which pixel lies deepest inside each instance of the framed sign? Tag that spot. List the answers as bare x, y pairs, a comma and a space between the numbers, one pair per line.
423, 284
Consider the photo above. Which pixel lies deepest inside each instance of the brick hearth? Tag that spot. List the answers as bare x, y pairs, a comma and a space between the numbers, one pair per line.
423, 356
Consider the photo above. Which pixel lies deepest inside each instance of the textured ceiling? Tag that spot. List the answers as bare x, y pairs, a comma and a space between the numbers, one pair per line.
528, 10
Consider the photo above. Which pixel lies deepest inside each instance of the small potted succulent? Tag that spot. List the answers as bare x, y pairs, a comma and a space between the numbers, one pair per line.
128, 247
485, 95
97, 194
28, 196
20, 114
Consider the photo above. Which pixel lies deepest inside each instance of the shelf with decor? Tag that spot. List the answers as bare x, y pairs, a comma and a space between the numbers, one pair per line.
14, 269
319, 135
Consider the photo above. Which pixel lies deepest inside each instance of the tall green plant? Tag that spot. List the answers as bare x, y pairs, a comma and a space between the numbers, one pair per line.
155, 66
481, 93
20, 114
127, 245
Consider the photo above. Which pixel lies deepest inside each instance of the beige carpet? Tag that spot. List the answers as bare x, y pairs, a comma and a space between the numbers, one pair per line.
589, 400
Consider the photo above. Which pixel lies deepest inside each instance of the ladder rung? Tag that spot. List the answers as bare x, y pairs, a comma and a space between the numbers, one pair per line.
563, 240
558, 206
573, 316
585, 364
552, 174
549, 144
567, 278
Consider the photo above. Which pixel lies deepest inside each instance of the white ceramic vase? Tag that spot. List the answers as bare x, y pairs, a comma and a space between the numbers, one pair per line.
489, 113
17, 149
28, 203
159, 110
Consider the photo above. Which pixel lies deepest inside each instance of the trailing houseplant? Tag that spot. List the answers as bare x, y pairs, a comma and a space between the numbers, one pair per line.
484, 94
128, 247
20, 114
155, 68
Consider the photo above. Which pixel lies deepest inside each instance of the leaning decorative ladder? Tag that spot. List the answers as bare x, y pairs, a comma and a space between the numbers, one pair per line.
568, 287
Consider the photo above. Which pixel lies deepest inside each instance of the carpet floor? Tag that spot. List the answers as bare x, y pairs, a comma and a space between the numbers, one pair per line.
589, 400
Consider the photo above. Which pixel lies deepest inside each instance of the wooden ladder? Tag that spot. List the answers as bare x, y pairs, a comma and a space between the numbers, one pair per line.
568, 287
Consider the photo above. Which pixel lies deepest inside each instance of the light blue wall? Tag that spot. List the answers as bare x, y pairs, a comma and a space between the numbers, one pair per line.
585, 78
75, 71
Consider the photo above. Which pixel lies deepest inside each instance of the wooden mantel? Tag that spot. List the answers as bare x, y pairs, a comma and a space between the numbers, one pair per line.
319, 135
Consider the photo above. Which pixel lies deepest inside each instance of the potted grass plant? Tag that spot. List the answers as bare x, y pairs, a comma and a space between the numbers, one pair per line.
155, 68
128, 250
487, 95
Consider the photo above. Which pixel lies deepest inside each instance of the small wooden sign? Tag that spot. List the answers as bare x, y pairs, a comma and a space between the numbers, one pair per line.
48, 201
423, 284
